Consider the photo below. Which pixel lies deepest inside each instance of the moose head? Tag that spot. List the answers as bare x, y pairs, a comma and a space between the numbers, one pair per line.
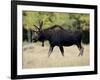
36, 34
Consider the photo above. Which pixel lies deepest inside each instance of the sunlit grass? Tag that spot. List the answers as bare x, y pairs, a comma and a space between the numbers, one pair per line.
37, 56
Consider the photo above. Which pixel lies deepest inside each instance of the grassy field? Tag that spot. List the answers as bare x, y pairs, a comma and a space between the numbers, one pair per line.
36, 56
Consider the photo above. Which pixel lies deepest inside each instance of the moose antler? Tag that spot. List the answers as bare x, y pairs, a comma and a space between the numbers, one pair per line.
36, 27
40, 24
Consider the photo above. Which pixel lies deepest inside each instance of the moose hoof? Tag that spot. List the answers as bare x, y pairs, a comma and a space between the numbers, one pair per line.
80, 55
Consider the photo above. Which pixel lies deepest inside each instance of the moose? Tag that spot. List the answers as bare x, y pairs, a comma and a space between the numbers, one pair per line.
58, 36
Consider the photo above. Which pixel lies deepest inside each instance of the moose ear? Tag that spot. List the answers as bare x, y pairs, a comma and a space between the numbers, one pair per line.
33, 30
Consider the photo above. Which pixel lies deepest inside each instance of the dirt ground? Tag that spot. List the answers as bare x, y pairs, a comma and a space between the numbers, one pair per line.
36, 56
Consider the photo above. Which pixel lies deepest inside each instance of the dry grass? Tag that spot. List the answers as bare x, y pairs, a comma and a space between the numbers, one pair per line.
37, 56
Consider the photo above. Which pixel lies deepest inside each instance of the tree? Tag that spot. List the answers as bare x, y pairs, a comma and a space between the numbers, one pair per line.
67, 20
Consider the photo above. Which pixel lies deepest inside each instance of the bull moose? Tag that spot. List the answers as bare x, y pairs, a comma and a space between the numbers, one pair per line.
58, 36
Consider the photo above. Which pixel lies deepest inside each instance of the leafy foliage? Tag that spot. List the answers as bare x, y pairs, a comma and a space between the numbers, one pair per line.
67, 20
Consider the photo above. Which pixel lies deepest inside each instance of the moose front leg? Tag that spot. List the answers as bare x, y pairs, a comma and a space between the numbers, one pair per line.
62, 50
50, 50
42, 43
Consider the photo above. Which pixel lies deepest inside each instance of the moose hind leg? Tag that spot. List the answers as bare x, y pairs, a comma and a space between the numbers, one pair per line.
81, 49
50, 50
62, 50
